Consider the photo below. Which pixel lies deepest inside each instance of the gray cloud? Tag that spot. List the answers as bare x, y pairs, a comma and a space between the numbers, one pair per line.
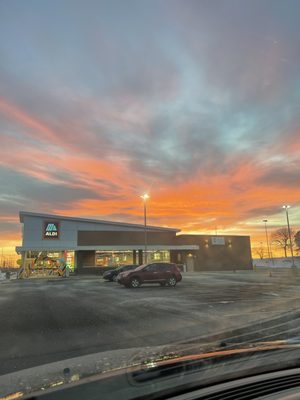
136, 65
173, 88
10, 227
249, 49
263, 212
27, 193
281, 176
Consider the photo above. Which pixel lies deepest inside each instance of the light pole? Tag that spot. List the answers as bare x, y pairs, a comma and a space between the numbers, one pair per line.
286, 207
268, 244
145, 197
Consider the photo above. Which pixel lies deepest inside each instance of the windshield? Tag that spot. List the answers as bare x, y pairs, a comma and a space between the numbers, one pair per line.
137, 132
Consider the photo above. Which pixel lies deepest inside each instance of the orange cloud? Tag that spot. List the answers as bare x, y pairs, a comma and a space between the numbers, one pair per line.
202, 203
17, 115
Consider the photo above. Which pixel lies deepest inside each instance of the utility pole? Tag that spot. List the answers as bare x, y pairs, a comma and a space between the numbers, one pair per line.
286, 207
145, 197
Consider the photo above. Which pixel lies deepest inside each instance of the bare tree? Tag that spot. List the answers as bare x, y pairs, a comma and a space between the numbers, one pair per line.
282, 240
260, 251
297, 241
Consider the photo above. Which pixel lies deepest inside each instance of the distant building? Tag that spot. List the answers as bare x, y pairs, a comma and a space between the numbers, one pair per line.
88, 245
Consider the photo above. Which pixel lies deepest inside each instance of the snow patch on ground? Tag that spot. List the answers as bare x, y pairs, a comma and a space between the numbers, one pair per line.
280, 262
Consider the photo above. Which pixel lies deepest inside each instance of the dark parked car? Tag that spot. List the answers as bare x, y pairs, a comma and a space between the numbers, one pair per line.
157, 272
112, 274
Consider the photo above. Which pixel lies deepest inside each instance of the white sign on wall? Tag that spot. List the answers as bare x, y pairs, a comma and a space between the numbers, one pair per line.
218, 240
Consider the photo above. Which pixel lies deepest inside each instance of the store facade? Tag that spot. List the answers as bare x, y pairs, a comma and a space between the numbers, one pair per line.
87, 245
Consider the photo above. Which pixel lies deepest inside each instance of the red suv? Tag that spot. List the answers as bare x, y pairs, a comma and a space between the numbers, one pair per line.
157, 272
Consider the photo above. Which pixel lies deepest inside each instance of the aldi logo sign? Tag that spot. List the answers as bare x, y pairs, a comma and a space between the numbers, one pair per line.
51, 230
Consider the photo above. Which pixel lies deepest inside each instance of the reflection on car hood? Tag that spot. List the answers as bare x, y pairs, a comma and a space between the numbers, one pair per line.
108, 272
142, 364
124, 273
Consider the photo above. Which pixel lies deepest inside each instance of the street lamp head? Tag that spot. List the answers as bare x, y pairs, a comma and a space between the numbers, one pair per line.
286, 206
265, 220
145, 196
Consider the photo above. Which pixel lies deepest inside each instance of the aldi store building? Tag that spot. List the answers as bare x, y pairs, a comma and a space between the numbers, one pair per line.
88, 245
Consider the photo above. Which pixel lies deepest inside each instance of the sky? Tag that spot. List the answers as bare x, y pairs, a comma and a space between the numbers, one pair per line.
195, 102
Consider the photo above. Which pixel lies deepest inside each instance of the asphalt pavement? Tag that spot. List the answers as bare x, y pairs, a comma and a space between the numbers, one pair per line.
47, 320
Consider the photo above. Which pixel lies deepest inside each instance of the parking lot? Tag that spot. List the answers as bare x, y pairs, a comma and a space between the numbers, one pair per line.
45, 320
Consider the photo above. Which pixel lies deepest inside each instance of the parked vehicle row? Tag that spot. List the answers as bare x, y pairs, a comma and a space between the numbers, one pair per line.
156, 272
112, 274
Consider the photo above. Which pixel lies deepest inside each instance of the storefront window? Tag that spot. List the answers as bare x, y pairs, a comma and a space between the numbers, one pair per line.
158, 256
119, 258
45, 263
113, 258
69, 257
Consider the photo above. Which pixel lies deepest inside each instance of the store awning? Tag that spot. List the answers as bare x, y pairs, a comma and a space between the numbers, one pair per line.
20, 249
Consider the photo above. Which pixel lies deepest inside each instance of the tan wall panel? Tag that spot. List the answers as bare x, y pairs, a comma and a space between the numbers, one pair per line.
235, 254
102, 238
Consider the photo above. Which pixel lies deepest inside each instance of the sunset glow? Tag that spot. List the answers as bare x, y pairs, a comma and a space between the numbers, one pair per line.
194, 103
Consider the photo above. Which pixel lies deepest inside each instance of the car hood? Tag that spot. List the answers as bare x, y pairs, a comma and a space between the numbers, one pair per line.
106, 273
150, 365
124, 273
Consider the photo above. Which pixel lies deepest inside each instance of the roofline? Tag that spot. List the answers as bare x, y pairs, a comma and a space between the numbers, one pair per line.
94, 221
